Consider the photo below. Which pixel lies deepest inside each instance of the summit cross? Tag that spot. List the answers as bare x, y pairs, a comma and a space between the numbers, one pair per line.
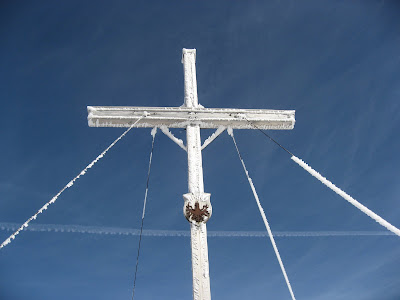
192, 116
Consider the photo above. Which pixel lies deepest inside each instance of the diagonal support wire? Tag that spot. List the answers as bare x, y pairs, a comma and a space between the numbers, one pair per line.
153, 133
68, 185
334, 188
230, 132
346, 196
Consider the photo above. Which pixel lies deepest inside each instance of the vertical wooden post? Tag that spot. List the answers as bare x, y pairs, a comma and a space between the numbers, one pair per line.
200, 265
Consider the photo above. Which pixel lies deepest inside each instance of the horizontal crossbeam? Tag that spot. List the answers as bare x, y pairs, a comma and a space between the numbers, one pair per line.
180, 117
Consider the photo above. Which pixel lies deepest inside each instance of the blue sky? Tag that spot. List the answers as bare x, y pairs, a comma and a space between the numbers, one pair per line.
337, 63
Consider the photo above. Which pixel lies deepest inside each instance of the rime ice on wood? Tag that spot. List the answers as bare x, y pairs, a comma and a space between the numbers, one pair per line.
180, 117
169, 134
192, 116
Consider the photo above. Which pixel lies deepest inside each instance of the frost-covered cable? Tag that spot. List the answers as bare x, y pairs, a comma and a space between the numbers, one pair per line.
267, 135
153, 133
346, 196
68, 185
334, 188
230, 132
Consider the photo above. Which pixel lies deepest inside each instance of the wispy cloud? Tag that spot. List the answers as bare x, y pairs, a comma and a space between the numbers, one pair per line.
183, 233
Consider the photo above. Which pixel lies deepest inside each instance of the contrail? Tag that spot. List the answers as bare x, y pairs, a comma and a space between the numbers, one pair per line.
184, 233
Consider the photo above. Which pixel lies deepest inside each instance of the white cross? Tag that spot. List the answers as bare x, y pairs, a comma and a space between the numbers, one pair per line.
192, 116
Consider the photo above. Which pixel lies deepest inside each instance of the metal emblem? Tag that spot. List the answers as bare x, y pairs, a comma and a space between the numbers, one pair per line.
197, 208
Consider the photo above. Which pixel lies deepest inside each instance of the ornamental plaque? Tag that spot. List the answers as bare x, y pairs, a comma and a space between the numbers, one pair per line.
197, 208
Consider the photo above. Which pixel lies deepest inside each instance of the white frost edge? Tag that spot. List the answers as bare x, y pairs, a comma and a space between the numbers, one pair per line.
229, 130
260, 208
169, 134
346, 196
68, 185
153, 131
212, 137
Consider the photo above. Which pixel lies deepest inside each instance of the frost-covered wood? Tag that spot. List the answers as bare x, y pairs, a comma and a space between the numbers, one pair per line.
198, 231
181, 117
193, 117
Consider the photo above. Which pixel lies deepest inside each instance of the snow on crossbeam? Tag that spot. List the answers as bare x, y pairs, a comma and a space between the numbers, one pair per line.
192, 116
180, 117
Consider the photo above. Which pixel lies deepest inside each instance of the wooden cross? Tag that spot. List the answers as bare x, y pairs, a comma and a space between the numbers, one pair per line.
192, 116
